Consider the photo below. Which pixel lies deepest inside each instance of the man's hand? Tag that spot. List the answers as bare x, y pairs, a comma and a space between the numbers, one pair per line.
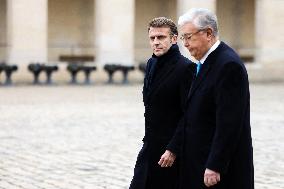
211, 177
167, 159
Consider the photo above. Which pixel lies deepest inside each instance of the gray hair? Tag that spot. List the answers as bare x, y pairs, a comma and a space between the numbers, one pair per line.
201, 18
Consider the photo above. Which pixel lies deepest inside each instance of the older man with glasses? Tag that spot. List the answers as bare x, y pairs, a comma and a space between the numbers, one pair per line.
216, 141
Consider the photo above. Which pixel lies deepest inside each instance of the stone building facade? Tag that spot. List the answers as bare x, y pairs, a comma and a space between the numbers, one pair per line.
115, 31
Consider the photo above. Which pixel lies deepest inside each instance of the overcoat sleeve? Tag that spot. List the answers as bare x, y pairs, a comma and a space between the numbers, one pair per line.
232, 101
176, 142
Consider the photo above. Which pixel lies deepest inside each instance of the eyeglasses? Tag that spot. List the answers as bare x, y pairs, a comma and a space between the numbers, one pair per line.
187, 36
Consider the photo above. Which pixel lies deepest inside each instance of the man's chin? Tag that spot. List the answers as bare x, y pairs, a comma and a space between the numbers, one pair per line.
193, 56
159, 53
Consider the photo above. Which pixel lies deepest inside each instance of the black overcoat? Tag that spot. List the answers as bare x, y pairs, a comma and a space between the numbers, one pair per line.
217, 132
164, 101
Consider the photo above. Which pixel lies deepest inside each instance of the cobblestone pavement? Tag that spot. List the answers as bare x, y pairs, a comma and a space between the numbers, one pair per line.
75, 137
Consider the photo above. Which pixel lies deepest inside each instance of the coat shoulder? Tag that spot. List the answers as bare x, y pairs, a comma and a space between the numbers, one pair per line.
184, 61
228, 61
186, 64
227, 55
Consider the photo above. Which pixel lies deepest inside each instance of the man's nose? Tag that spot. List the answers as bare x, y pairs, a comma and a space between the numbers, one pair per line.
156, 41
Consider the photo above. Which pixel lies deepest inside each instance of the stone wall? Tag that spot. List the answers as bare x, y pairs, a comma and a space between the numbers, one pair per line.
70, 28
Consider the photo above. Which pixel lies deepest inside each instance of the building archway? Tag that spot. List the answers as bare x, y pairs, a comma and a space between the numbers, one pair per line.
71, 30
237, 26
3, 29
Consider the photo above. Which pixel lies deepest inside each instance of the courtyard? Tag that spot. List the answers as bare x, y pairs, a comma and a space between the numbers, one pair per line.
88, 137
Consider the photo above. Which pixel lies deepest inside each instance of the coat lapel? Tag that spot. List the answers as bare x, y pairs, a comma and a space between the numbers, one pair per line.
205, 69
199, 79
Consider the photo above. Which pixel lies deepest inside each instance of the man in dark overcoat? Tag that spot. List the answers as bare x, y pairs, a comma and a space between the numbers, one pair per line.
166, 84
217, 146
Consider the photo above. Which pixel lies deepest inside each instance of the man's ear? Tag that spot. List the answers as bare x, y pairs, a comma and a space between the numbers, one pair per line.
174, 39
209, 32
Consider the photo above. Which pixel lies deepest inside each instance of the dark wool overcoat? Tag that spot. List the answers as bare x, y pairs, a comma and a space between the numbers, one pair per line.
217, 132
164, 100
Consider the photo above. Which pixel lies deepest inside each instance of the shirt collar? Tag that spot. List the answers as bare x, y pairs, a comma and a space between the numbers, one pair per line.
216, 44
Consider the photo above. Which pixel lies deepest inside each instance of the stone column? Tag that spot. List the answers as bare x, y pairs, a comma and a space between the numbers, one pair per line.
114, 26
27, 31
185, 5
270, 33
3, 30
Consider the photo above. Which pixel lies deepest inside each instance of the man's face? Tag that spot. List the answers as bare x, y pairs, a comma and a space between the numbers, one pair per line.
196, 41
161, 40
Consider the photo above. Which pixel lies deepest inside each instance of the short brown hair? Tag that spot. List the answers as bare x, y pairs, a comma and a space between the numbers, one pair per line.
161, 22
